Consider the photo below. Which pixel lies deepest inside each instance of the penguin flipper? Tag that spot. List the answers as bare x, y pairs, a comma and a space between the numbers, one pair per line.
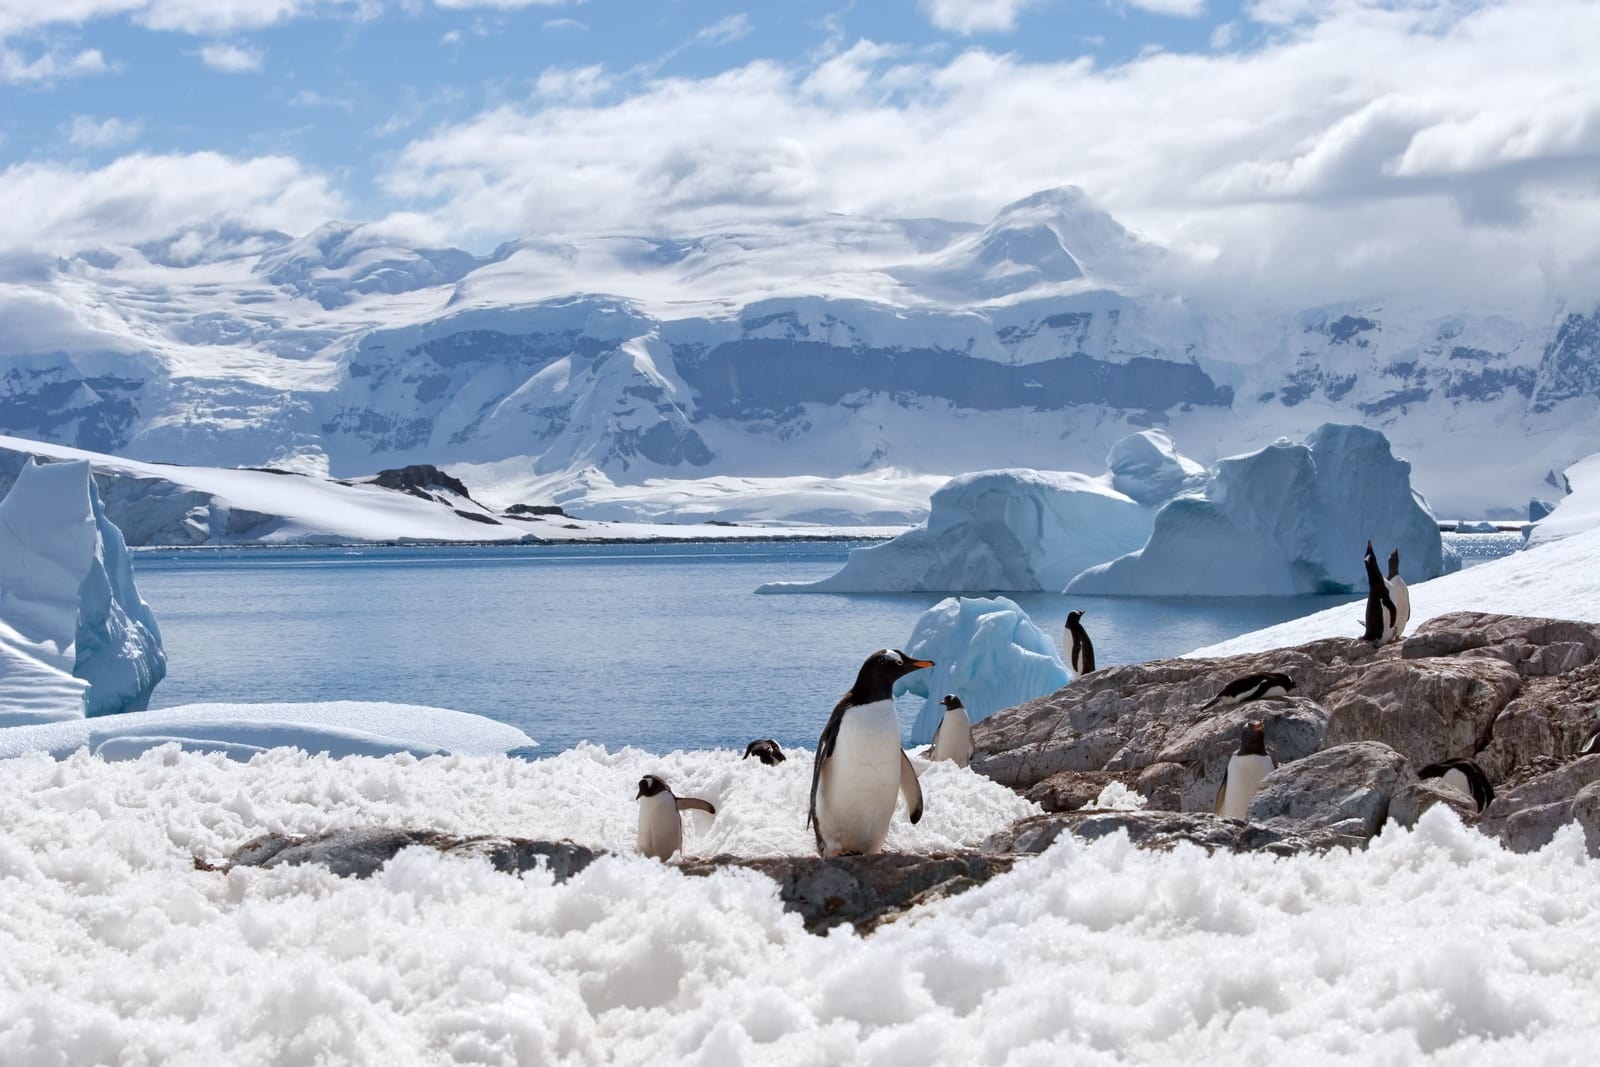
910, 788
696, 804
825, 746
1222, 794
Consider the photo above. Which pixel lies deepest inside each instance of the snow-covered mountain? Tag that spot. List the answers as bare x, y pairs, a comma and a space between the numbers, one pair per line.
829, 346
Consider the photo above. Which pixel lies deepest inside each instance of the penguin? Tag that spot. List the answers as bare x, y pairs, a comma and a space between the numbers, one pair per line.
1380, 607
1464, 776
1251, 687
953, 738
660, 826
859, 762
1592, 746
1246, 768
1080, 650
1400, 595
766, 750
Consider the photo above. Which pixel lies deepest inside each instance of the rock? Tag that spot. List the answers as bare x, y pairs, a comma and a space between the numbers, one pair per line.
1071, 790
1161, 830
1347, 786
360, 853
421, 480
1527, 815
1414, 796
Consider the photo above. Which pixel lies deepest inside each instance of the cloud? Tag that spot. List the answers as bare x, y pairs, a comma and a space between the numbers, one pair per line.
724, 31
86, 132
575, 84
564, 24
967, 17
1181, 8
60, 209
47, 68
1271, 154
232, 59
198, 17
502, 5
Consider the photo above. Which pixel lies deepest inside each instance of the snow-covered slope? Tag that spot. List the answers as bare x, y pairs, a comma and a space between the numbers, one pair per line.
1579, 510
75, 637
826, 347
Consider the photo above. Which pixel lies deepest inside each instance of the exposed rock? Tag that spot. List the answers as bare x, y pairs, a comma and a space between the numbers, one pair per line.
1071, 790
422, 480
1162, 830
520, 511
1413, 796
1347, 787
360, 853
1526, 816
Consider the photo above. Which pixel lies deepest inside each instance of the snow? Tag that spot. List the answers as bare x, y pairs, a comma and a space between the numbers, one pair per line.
68, 604
1579, 510
338, 728
118, 949
985, 651
1558, 580
1286, 520
996, 531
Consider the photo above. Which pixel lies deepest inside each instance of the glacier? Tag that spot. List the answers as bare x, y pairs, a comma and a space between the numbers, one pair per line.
69, 605
984, 650
1287, 520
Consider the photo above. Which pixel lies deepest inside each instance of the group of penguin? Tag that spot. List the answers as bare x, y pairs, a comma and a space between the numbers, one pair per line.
859, 768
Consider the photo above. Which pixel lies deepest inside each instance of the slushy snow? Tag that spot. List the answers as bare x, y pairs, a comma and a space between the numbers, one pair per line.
1287, 520
996, 531
985, 651
118, 950
68, 604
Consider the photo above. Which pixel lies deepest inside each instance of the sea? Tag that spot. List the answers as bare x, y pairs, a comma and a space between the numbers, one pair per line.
657, 646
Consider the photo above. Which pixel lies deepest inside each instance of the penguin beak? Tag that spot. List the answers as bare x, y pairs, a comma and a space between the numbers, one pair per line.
918, 664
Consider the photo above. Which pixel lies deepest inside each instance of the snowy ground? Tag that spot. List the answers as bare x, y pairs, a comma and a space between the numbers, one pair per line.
114, 948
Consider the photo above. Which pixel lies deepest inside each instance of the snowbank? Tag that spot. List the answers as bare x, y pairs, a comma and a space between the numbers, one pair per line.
1558, 580
240, 731
996, 531
130, 954
987, 652
1579, 510
1286, 520
69, 604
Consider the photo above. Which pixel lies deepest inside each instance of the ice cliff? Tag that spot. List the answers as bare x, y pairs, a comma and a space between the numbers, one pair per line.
75, 637
987, 652
1288, 519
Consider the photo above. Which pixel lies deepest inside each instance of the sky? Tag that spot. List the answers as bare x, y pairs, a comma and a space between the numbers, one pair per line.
1316, 145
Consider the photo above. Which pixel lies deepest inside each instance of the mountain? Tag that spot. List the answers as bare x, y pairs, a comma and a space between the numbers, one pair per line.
831, 346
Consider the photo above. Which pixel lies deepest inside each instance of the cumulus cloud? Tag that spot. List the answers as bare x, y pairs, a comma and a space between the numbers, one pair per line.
1270, 154
47, 68
59, 209
232, 59
85, 131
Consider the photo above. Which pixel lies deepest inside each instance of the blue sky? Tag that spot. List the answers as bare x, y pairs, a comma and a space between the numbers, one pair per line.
1288, 141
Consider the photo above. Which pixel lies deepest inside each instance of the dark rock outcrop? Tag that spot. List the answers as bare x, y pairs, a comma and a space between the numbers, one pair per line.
421, 480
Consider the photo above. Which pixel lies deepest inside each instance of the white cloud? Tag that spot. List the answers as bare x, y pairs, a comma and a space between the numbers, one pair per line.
232, 59
50, 67
975, 16
563, 24
1276, 154
198, 17
725, 31
59, 209
575, 84
503, 5
1224, 35
85, 131
1182, 8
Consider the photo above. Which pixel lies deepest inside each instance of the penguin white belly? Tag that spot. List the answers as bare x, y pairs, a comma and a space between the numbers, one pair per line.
855, 798
1244, 779
1457, 781
954, 739
1402, 607
660, 827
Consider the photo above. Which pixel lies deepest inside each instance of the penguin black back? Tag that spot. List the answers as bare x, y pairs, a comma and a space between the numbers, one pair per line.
766, 750
1081, 650
1380, 607
1477, 781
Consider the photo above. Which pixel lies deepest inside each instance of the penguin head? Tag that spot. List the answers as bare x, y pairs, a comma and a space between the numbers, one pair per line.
650, 786
1073, 618
1394, 564
1253, 738
1369, 551
951, 702
879, 673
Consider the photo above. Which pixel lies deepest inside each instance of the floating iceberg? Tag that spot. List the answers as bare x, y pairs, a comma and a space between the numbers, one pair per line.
75, 637
996, 531
1290, 519
1147, 467
987, 652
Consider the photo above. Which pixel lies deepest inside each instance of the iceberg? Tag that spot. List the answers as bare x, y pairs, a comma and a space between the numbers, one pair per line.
987, 652
1287, 520
1148, 467
75, 636
996, 531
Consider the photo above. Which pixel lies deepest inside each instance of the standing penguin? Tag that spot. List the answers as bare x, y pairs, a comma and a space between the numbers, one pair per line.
1246, 768
1380, 606
660, 826
1080, 650
1400, 595
859, 763
953, 739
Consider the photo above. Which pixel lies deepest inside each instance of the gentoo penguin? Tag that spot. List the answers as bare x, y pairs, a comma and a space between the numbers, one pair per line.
1464, 776
1592, 746
953, 739
1246, 768
1400, 595
766, 750
660, 827
859, 762
1080, 650
1251, 687
1380, 607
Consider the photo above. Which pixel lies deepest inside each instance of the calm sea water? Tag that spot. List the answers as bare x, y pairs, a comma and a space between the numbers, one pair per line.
659, 646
